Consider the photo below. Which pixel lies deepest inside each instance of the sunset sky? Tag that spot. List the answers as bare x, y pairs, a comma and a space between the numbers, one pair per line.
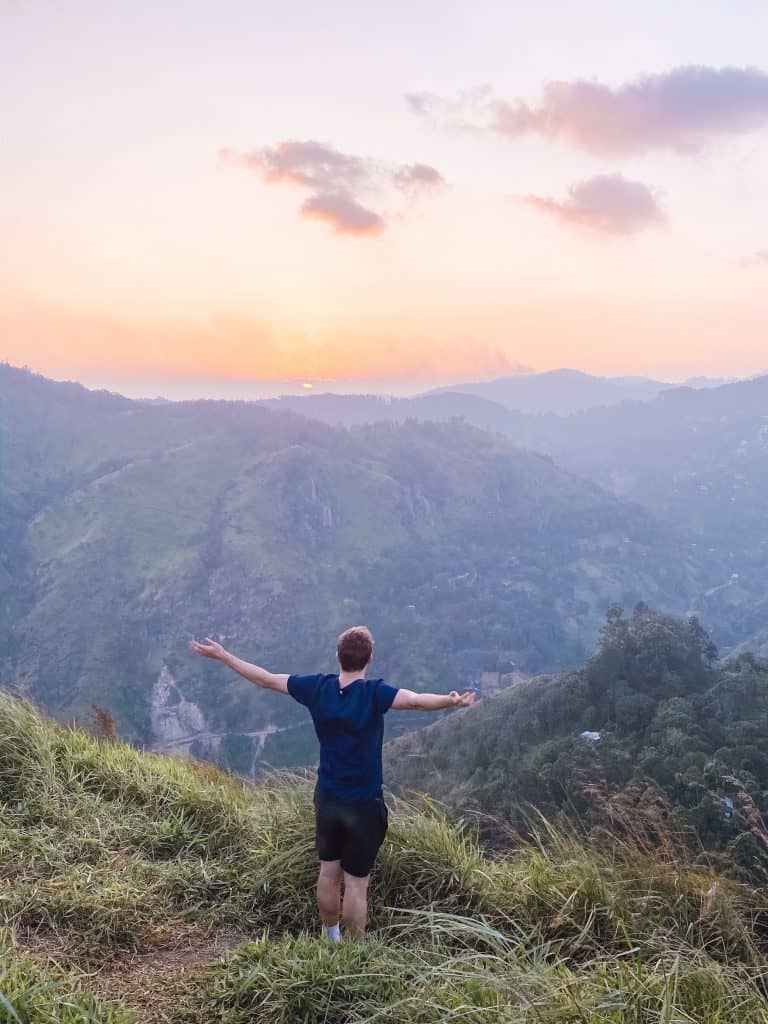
232, 198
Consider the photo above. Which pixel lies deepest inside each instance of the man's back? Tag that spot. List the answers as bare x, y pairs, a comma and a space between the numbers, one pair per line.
349, 722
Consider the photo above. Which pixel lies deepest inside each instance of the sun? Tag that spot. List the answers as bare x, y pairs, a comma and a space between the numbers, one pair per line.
307, 386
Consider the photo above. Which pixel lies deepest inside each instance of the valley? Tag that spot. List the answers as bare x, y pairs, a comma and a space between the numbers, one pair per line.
130, 527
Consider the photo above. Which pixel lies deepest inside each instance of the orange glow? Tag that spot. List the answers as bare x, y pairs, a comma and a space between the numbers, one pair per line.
614, 337
139, 248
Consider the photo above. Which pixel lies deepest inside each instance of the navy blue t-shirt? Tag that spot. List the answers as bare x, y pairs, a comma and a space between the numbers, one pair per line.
349, 723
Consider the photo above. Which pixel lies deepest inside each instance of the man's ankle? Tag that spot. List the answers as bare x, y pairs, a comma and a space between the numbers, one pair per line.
333, 932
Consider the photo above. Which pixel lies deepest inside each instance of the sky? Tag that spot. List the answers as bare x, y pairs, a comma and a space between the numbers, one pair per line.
239, 198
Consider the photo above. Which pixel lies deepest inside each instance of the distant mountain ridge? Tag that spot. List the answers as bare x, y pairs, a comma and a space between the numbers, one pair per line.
131, 526
697, 460
562, 391
488, 404
354, 410
694, 457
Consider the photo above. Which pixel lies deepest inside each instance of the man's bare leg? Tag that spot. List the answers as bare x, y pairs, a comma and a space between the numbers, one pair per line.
354, 910
329, 892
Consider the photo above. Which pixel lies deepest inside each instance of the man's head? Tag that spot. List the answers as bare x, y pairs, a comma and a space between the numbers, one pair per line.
355, 649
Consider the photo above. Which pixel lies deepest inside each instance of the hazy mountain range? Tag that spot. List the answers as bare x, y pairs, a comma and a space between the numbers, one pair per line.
129, 526
555, 391
562, 391
696, 458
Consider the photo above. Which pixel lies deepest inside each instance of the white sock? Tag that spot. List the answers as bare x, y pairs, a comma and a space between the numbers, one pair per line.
333, 932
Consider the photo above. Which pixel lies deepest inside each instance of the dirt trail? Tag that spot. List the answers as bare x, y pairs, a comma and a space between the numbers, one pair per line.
157, 984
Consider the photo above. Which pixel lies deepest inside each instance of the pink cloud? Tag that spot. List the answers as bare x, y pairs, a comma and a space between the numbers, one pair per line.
337, 182
465, 110
681, 109
607, 204
343, 213
307, 163
415, 178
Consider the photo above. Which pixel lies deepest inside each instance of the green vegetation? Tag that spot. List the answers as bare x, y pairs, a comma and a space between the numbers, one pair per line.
129, 527
125, 875
31, 995
681, 740
695, 459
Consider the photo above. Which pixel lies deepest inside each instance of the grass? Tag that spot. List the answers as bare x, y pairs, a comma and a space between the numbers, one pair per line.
121, 871
295, 979
30, 995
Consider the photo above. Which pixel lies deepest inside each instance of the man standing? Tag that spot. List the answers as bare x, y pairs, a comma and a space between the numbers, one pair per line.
350, 814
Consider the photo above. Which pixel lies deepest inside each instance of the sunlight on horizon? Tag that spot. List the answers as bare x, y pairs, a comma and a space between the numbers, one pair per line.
405, 220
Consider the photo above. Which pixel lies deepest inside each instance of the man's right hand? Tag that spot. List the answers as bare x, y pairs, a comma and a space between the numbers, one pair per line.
210, 649
253, 673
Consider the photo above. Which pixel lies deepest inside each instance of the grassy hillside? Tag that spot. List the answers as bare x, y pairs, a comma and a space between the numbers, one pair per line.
130, 527
652, 725
139, 889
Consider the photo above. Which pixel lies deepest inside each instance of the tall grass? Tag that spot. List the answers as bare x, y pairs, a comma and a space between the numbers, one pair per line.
106, 852
29, 995
299, 980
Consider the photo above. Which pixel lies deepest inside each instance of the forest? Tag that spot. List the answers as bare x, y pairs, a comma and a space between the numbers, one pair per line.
652, 729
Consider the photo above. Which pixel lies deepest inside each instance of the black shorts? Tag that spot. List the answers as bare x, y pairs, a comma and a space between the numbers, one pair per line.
351, 832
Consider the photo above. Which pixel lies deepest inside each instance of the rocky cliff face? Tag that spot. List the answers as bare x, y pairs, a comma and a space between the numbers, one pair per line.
174, 718
180, 727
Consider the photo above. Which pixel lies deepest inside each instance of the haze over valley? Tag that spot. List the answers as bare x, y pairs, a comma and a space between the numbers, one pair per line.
472, 536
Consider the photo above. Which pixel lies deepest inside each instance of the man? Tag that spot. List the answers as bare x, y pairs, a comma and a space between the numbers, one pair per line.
350, 814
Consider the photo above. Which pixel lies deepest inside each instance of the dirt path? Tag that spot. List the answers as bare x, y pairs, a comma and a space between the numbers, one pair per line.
161, 985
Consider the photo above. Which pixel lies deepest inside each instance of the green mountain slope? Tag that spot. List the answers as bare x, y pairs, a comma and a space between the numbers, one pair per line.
126, 876
650, 724
698, 461
695, 458
131, 526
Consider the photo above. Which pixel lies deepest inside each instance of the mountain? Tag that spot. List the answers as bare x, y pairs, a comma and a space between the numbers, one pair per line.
498, 404
708, 382
354, 410
650, 726
561, 391
131, 527
698, 461
695, 458
684, 429
141, 890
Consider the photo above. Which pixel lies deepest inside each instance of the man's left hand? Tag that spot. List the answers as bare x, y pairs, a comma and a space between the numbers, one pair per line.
461, 700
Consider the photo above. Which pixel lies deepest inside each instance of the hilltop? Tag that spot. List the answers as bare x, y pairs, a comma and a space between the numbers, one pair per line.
652, 728
140, 889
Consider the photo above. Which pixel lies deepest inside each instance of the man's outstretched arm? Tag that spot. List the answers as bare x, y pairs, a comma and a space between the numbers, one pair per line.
409, 700
253, 673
